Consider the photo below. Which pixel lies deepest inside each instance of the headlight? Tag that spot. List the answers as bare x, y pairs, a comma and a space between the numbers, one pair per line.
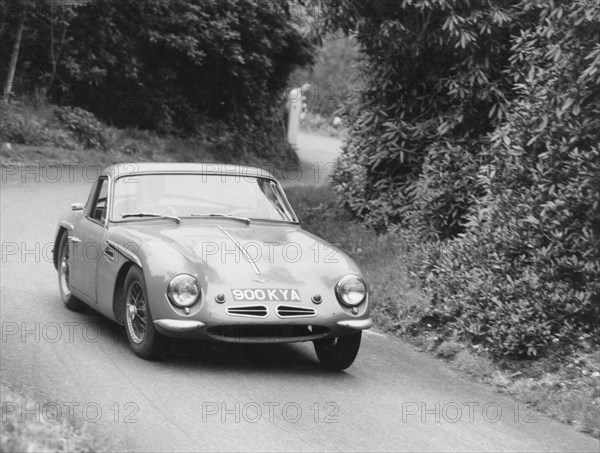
183, 290
351, 290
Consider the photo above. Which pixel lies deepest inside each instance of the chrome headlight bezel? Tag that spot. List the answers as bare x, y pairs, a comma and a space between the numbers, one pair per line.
342, 290
173, 292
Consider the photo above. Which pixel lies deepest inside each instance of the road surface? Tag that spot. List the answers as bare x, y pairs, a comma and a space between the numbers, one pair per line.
215, 397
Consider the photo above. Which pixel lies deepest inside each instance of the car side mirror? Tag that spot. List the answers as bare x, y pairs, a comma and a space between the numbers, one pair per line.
77, 207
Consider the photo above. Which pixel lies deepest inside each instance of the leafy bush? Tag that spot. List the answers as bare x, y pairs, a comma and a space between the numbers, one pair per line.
433, 77
25, 125
84, 125
21, 129
526, 274
452, 181
485, 137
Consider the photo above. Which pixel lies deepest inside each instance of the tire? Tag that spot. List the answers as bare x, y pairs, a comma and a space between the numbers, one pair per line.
338, 353
143, 337
64, 285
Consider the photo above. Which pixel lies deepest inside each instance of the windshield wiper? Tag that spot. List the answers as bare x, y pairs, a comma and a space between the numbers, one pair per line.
246, 220
149, 214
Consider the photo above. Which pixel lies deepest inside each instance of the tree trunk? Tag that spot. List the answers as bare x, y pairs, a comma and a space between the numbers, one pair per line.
55, 56
13, 61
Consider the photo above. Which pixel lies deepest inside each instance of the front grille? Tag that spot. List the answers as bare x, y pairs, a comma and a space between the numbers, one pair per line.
290, 311
255, 311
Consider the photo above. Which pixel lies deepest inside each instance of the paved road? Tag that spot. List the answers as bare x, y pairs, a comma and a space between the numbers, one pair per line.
316, 148
206, 397
318, 155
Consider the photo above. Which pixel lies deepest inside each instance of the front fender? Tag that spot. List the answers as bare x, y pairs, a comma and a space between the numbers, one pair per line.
159, 263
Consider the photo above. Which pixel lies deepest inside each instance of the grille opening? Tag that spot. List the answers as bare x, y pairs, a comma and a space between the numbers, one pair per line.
258, 311
265, 333
290, 311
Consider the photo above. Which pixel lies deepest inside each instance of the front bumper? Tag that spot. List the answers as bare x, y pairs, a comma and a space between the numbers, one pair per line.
260, 333
178, 325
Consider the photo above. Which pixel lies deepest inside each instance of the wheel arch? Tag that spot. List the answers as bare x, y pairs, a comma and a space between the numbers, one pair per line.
61, 232
118, 298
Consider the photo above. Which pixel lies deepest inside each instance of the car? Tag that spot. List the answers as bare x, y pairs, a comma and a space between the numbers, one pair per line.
207, 251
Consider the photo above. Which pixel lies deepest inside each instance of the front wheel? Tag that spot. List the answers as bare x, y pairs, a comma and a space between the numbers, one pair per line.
338, 353
65, 260
143, 338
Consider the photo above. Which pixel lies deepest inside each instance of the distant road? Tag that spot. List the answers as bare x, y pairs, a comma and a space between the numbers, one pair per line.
219, 397
317, 156
317, 148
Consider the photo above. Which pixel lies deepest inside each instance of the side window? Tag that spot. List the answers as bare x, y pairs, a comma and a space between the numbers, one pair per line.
99, 204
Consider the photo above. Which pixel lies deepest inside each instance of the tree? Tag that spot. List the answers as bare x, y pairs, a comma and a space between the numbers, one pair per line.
8, 84
214, 67
46, 12
433, 73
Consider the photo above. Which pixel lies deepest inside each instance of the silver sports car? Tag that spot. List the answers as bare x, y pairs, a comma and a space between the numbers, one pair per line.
207, 251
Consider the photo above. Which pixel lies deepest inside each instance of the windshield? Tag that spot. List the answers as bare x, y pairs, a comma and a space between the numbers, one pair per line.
190, 195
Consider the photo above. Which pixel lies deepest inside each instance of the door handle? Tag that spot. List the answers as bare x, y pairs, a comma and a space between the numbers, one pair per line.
110, 254
74, 239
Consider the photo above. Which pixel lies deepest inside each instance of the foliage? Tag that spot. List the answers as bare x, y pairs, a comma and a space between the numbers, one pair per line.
173, 67
479, 126
433, 74
26, 126
84, 125
526, 275
332, 77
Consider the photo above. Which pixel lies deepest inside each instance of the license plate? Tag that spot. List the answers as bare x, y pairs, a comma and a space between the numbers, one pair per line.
266, 295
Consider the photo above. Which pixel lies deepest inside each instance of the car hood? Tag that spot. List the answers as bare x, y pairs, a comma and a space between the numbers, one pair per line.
231, 253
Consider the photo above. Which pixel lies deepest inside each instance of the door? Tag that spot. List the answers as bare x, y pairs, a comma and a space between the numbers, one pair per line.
89, 241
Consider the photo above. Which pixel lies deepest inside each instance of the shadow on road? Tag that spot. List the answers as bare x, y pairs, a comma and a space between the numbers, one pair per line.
206, 355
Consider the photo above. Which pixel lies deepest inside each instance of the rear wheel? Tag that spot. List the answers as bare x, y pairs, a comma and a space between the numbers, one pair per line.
64, 272
145, 341
338, 353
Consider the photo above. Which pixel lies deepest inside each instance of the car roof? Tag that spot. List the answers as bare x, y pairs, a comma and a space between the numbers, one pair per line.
135, 168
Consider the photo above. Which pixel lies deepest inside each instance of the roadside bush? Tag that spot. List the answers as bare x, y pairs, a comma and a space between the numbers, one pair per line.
485, 142
23, 124
434, 76
22, 129
84, 125
452, 181
526, 274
